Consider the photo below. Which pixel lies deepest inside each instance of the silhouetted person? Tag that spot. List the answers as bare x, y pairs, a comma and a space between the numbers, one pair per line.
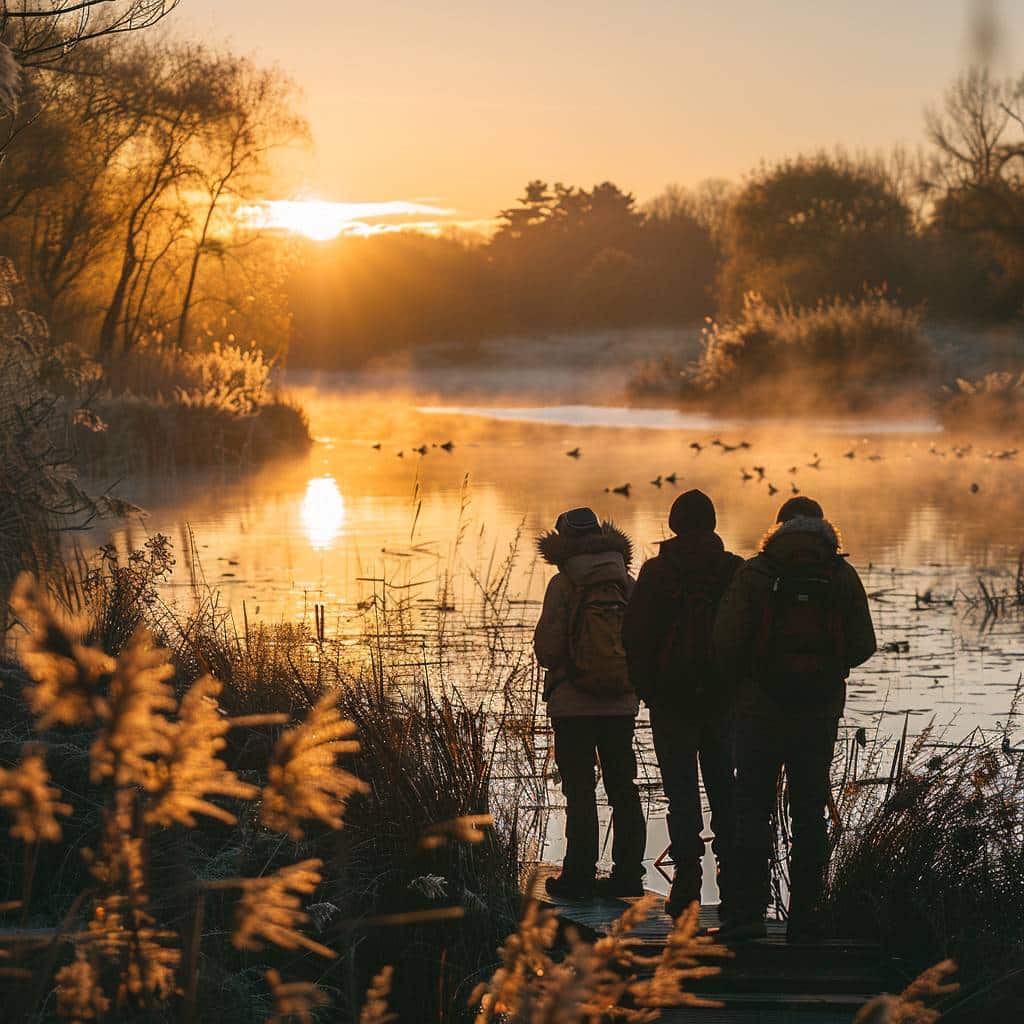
667, 634
789, 629
590, 700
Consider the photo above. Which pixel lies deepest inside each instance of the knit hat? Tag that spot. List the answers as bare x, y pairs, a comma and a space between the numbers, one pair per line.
692, 510
799, 506
576, 521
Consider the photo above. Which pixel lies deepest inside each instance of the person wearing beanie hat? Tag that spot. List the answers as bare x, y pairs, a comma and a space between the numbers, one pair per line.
789, 629
799, 506
667, 635
590, 699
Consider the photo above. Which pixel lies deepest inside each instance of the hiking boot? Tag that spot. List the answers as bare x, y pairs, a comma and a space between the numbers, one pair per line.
618, 887
680, 896
566, 887
740, 930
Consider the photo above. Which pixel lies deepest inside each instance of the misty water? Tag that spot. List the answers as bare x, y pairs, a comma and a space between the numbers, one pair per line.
921, 518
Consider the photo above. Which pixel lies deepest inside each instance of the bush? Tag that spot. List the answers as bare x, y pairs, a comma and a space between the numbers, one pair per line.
995, 404
840, 355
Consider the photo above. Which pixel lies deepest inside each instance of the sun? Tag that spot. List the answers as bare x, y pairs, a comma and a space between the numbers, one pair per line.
315, 218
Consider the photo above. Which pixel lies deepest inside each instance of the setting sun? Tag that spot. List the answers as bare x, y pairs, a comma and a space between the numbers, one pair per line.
322, 220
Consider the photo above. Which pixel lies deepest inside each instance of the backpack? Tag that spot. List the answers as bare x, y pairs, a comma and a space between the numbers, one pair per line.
800, 655
596, 654
684, 670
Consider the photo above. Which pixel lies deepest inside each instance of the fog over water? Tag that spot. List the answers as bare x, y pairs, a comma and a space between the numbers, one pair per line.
920, 523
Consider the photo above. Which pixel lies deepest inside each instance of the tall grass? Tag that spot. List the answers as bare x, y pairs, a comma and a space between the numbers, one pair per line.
930, 859
839, 355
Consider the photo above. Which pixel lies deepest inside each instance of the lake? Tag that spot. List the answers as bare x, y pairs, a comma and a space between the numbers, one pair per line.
923, 517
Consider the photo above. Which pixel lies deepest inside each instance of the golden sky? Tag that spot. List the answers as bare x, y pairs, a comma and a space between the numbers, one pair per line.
456, 105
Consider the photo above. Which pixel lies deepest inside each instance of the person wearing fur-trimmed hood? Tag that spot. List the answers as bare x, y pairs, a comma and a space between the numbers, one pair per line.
789, 629
590, 701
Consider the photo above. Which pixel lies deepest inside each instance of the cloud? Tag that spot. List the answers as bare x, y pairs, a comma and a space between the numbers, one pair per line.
321, 219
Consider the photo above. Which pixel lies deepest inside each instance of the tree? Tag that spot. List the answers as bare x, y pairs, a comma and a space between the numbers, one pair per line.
46, 33
976, 183
811, 228
257, 119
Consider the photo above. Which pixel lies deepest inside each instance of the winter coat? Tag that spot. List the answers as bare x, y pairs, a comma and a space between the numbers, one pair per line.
654, 607
592, 558
802, 540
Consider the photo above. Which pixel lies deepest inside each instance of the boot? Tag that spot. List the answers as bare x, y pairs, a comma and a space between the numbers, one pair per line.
685, 888
568, 887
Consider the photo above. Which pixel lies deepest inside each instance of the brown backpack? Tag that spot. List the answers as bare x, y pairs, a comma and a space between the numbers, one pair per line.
597, 658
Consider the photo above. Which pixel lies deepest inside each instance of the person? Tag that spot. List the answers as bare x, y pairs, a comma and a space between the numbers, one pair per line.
667, 635
789, 629
590, 700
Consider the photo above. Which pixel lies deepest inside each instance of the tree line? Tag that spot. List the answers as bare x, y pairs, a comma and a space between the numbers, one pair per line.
129, 162
940, 228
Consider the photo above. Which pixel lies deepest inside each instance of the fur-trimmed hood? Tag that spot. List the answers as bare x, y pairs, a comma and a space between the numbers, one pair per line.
801, 539
556, 549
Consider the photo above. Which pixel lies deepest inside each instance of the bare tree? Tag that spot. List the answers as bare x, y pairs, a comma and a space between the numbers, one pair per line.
975, 132
42, 33
256, 120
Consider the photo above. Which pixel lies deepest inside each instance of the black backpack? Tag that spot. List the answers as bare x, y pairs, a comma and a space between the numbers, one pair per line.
685, 669
800, 650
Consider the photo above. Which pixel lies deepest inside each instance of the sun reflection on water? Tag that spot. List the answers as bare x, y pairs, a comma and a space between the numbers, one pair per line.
322, 512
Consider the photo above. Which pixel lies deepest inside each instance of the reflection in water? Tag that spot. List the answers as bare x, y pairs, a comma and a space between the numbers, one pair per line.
922, 515
322, 512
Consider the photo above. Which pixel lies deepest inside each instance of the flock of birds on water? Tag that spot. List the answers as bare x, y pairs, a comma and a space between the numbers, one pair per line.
758, 474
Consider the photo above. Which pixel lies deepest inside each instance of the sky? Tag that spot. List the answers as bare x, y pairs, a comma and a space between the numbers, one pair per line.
456, 105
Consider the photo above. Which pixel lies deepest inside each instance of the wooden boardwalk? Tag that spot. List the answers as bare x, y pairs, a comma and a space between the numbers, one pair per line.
769, 981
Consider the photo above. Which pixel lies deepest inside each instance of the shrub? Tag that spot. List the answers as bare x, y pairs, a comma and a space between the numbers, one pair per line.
995, 404
837, 356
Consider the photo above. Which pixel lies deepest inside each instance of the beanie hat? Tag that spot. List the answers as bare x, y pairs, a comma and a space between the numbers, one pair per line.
799, 506
692, 510
576, 521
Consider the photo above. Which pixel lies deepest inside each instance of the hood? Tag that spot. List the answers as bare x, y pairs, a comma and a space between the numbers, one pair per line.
557, 549
801, 539
696, 551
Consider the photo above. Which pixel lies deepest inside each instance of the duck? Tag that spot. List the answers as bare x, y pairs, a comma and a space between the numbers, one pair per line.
760, 471
574, 454
793, 487
656, 482
422, 450
745, 476
447, 446
772, 489
624, 490
697, 447
377, 447
671, 479
815, 463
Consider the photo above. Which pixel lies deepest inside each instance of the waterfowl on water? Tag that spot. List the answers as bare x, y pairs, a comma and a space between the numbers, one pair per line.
574, 454
794, 488
815, 463
656, 482
772, 489
745, 476
760, 471
422, 450
376, 447
671, 479
850, 455
697, 447
624, 490
447, 446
